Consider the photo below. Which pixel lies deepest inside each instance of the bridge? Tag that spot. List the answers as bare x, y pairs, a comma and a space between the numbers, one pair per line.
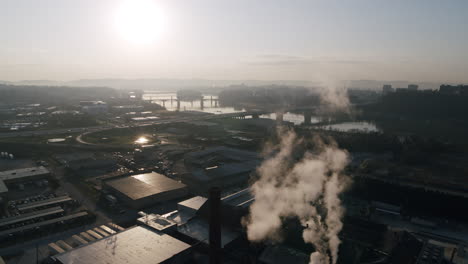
279, 111
172, 99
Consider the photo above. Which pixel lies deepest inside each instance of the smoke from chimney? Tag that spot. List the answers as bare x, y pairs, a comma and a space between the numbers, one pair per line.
334, 97
307, 188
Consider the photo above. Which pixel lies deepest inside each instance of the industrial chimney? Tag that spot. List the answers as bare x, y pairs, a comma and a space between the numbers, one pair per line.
215, 225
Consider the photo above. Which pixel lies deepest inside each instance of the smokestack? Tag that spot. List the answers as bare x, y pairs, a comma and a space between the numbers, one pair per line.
215, 225
329, 255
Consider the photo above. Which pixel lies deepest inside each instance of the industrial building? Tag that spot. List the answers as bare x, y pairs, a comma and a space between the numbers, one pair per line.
52, 224
219, 166
82, 160
139, 191
191, 218
21, 175
8, 222
94, 107
134, 245
45, 203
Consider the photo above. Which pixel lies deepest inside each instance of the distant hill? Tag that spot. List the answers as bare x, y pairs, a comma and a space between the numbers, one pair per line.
165, 84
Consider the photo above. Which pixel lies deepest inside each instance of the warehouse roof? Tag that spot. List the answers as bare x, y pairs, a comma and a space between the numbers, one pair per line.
224, 154
225, 170
3, 187
43, 223
52, 201
194, 203
23, 173
243, 198
29, 216
134, 245
144, 185
198, 229
20, 173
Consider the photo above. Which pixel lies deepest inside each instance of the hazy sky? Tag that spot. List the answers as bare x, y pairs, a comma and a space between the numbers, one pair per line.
417, 40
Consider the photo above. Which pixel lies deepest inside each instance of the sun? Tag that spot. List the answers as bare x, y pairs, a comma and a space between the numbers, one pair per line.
139, 21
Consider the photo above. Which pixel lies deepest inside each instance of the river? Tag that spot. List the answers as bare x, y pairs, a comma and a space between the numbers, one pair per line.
211, 105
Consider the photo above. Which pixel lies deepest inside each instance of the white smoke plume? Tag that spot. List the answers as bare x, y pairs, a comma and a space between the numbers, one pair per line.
334, 96
307, 188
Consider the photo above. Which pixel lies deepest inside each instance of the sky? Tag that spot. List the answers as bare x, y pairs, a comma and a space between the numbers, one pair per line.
314, 40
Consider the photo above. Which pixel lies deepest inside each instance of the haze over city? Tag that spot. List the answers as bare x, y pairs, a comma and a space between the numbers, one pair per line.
251, 132
417, 41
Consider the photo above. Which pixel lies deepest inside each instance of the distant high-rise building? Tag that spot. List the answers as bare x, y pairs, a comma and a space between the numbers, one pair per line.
387, 88
413, 87
454, 89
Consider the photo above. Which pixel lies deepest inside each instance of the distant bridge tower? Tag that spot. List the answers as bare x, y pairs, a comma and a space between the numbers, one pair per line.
307, 117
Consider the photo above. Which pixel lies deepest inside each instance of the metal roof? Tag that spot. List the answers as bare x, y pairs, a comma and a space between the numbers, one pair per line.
198, 229
3, 188
193, 203
241, 198
135, 245
225, 170
44, 223
29, 216
22, 173
157, 222
144, 185
224, 153
55, 200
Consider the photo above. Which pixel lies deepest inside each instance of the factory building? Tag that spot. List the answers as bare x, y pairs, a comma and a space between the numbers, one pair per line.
21, 175
218, 166
94, 107
191, 219
139, 191
134, 245
58, 223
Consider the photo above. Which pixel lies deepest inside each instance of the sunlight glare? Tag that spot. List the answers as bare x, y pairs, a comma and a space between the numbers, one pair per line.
142, 140
139, 21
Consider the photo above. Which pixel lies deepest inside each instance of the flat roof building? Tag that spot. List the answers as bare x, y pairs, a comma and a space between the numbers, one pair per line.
135, 245
44, 203
19, 175
22, 174
29, 216
143, 190
219, 166
55, 222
